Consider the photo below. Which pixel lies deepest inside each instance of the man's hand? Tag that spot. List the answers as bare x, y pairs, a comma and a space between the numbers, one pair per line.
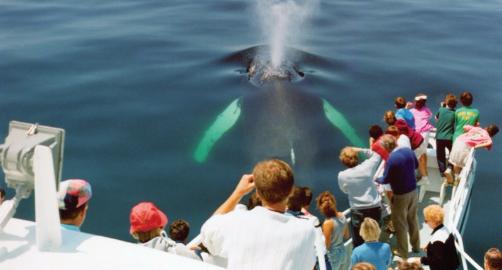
246, 185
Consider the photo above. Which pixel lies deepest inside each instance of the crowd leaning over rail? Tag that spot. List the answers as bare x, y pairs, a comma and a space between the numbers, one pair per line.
275, 228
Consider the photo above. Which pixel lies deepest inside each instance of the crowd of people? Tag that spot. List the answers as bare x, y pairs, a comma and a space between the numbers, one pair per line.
276, 230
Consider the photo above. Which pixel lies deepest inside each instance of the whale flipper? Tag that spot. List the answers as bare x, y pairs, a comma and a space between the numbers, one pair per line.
338, 120
223, 122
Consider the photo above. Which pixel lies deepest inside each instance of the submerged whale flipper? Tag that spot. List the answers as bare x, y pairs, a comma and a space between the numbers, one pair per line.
224, 122
338, 120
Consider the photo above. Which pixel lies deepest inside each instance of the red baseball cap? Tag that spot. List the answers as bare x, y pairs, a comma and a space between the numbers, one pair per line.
145, 216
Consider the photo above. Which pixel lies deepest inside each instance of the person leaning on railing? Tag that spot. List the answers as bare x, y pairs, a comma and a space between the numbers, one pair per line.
474, 137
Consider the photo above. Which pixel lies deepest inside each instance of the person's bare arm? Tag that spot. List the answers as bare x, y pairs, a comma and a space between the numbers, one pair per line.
346, 232
327, 229
487, 144
246, 184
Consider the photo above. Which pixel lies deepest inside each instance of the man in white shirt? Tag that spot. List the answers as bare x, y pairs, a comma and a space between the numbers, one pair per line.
264, 237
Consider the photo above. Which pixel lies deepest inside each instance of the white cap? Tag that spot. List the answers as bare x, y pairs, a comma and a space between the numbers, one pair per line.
417, 98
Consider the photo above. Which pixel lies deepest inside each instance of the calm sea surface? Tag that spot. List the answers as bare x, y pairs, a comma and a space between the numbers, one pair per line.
136, 83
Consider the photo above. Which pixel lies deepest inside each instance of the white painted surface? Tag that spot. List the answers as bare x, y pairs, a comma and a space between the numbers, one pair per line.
46, 204
82, 251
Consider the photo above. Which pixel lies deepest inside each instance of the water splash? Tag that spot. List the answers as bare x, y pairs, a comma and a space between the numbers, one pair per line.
284, 23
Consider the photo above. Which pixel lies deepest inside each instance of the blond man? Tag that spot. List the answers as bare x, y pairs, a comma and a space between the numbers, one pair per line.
262, 238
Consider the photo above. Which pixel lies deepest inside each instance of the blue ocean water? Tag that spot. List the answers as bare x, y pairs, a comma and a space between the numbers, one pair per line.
136, 83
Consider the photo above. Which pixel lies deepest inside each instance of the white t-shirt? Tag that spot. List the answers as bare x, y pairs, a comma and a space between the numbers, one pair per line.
261, 239
403, 141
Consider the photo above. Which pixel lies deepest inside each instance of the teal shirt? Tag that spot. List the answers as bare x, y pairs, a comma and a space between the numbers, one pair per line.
70, 227
376, 253
445, 125
465, 116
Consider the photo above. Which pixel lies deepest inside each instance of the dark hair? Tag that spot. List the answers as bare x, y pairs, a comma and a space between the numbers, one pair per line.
295, 201
71, 213
307, 193
2, 192
179, 230
492, 130
253, 201
451, 100
326, 203
466, 98
493, 258
375, 131
400, 102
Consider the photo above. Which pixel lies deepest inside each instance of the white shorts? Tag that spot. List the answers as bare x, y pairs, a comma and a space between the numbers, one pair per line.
459, 154
422, 149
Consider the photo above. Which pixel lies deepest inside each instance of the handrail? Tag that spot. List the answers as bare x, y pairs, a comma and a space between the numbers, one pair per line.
457, 209
459, 245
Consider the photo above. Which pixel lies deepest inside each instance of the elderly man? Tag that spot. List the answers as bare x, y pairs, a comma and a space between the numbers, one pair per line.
264, 237
400, 174
357, 182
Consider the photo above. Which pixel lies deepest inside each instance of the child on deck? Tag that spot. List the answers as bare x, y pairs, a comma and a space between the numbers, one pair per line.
179, 230
445, 126
474, 137
335, 230
147, 227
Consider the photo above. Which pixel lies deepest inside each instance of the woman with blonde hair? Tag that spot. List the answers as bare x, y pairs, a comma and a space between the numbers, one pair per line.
441, 251
377, 253
335, 230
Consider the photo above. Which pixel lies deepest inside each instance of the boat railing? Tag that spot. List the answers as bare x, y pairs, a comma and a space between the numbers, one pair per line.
458, 208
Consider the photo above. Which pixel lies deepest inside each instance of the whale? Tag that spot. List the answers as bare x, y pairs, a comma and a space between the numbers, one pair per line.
280, 119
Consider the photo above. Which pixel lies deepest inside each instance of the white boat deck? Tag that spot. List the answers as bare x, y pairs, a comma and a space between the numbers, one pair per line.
82, 251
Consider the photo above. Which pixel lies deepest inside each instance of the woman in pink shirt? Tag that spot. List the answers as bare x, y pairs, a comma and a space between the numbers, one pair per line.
473, 137
422, 114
